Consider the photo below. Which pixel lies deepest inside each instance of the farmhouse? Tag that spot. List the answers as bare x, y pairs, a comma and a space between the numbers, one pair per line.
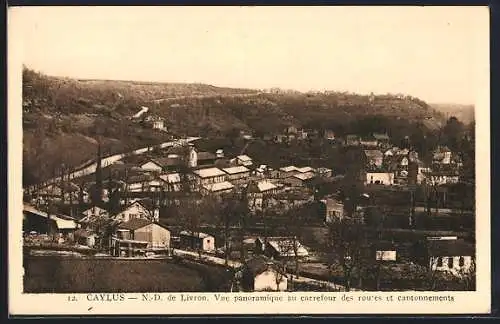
237, 174
244, 160
209, 176
451, 255
171, 182
197, 241
256, 191
262, 274
334, 209
156, 235
299, 180
288, 171
136, 209
206, 159
219, 187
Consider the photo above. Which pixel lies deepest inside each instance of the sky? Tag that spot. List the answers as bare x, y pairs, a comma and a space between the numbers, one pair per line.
435, 53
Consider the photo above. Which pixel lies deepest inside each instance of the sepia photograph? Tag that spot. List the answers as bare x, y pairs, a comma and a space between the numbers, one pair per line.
202, 155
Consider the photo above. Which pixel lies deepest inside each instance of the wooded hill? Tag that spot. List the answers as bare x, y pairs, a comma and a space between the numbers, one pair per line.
63, 117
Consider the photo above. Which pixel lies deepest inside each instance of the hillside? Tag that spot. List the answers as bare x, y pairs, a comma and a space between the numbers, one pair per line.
62, 117
464, 113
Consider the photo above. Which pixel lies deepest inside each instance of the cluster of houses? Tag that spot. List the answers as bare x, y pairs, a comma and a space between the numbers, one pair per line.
136, 224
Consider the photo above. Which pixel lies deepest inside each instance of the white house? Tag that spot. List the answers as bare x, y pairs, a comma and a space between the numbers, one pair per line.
171, 181
151, 165
262, 274
451, 255
157, 235
244, 160
379, 177
135, 210
196, 241
219, 187
334, 209
209, 176
237, 173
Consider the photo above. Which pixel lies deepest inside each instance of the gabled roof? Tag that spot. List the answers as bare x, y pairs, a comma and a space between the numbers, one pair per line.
450, 248
305, 169
259, 264
209, 172
285, 246
289, 168
261, 186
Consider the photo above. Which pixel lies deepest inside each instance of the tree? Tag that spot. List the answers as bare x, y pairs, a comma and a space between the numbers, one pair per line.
347, 240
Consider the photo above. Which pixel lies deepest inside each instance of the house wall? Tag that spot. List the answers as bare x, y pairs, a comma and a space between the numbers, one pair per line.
294, 182
209, 244
267, 281
385, 255
155, 235
386, 178
211, 180
334, 211
95, 211
134, 211
456, 268
238, 176
444, 179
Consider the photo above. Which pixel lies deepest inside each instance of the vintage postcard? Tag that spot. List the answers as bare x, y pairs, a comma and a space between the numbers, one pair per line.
248, 160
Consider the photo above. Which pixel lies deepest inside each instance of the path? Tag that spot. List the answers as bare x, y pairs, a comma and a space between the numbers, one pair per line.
90, 169
236, 264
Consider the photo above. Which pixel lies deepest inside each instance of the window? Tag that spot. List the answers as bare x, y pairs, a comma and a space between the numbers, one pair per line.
450, 262
461, 261
439, 262
132, 216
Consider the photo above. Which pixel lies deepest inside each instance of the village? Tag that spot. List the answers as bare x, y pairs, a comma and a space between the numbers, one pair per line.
391, 222
391, 214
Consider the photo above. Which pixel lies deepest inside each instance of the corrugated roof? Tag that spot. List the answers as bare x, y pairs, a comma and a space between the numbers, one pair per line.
236, 169
64, 223
214, 187
209, 172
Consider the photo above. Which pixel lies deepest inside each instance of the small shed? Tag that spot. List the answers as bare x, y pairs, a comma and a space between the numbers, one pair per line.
197, 241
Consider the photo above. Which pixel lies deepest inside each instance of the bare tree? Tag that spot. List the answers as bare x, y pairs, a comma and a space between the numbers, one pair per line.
347, 238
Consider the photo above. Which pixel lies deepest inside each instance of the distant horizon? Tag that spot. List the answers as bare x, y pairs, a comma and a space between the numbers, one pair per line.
248, 88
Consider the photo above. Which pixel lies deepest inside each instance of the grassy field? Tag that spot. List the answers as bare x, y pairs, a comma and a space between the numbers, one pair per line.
74, 275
